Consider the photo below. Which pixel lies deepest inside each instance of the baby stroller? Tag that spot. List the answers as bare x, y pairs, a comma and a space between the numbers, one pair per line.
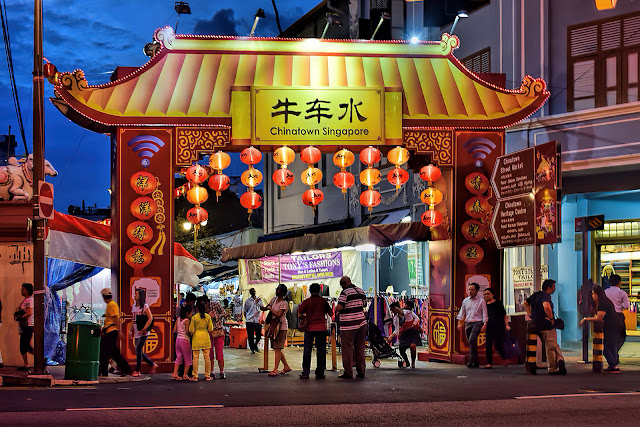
380, 348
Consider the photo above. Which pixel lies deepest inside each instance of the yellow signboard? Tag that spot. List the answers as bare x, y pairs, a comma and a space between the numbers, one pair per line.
322, 116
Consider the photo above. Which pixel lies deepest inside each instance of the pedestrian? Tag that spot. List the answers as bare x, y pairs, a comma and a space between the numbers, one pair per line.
109, 338
190, 300
407, 329
613, 326
497, 326
353, 327
315, 310
252, 315
540, 308
278, 307
473, 319
140, 326
183, 344
621, 302
217, 314
237, 306
24, 317
199, 328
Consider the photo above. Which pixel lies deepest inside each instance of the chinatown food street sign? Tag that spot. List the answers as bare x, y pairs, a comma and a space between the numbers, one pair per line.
514, 221
323, 116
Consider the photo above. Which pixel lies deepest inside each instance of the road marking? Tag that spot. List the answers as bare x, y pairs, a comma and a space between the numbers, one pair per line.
139, 408
553, 396
56, 388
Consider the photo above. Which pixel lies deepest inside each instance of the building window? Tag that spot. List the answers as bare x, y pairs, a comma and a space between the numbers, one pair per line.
603, 62
479, 62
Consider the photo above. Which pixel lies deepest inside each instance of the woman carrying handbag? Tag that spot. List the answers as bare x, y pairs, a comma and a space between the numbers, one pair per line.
277, 329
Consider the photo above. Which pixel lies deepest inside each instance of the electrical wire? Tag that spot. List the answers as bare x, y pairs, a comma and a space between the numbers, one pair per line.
73, 156
275, 10
12, 79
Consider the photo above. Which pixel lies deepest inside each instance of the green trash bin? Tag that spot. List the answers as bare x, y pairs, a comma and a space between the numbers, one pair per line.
83, 351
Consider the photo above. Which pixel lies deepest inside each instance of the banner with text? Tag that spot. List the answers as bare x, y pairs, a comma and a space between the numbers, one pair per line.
324, 116
292, 268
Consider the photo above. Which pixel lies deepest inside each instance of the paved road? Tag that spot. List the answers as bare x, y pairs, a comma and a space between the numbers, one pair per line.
568, 411
433, 383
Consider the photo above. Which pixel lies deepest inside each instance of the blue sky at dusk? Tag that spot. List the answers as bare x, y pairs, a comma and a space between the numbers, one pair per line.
96, 36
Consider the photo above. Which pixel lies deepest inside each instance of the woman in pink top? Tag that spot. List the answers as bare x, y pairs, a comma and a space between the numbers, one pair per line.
183, 345
24, 315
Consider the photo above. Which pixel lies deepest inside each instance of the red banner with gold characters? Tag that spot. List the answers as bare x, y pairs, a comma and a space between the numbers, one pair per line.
143, 226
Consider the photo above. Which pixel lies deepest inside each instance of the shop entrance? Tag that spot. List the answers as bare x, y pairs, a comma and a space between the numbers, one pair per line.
617, 251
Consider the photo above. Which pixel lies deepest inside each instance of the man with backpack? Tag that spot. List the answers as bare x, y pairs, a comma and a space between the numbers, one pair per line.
540, 308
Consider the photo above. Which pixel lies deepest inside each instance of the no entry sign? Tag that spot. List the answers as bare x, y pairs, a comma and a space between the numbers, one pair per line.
45, 200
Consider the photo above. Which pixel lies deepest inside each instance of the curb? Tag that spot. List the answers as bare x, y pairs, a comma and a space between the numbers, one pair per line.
49, 381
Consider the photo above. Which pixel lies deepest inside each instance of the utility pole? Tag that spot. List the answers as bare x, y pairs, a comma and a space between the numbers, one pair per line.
38, 175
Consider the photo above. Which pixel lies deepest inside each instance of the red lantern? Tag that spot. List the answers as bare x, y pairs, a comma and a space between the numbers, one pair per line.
477, 207
196, 174
143, 183
284, 156
250, 156
370, 177
344, 180
196, 215
431, 218
430, 173
283, 177
251, 177
311, 155
219, 160
197, 195
398, 177
431, 196
476, 183
398, 156
138, 257
370, 199
218, 183
312, 197
343, 159
251, 200
473, 230
370, 155
311, 176
139, 232
471, 254
143, 208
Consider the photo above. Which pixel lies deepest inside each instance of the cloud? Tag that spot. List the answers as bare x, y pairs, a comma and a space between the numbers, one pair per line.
223, 23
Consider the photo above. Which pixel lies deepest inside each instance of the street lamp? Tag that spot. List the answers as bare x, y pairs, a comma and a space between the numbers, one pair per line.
181, 8
332, 19
383, 16
259, 14
461, 14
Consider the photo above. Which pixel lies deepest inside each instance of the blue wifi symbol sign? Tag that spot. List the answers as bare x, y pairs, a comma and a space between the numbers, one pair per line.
479, 148
146, 146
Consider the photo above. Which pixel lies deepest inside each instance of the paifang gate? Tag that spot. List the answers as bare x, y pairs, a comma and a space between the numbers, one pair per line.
200, 94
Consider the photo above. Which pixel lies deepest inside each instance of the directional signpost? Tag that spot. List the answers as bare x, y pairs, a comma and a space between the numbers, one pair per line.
513, 223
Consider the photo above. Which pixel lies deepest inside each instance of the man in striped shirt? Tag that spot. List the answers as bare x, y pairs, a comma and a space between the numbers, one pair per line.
353, 327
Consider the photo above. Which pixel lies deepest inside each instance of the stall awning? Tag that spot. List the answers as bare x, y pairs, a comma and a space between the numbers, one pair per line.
380, 235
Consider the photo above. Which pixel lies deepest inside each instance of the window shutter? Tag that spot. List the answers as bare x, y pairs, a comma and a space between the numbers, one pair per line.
610, 37
584, 40
632, 31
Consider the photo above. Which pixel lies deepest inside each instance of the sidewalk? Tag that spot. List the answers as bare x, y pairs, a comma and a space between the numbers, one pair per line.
242, 361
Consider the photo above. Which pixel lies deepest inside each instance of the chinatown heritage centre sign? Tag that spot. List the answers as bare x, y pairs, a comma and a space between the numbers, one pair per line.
526, 184
323, 115
290, 268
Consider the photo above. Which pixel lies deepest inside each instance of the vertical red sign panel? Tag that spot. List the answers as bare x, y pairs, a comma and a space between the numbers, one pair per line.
143, 263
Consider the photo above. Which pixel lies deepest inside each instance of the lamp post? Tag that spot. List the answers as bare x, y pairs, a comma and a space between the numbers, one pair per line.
259, 14
196, 227
38, 175
461, 14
